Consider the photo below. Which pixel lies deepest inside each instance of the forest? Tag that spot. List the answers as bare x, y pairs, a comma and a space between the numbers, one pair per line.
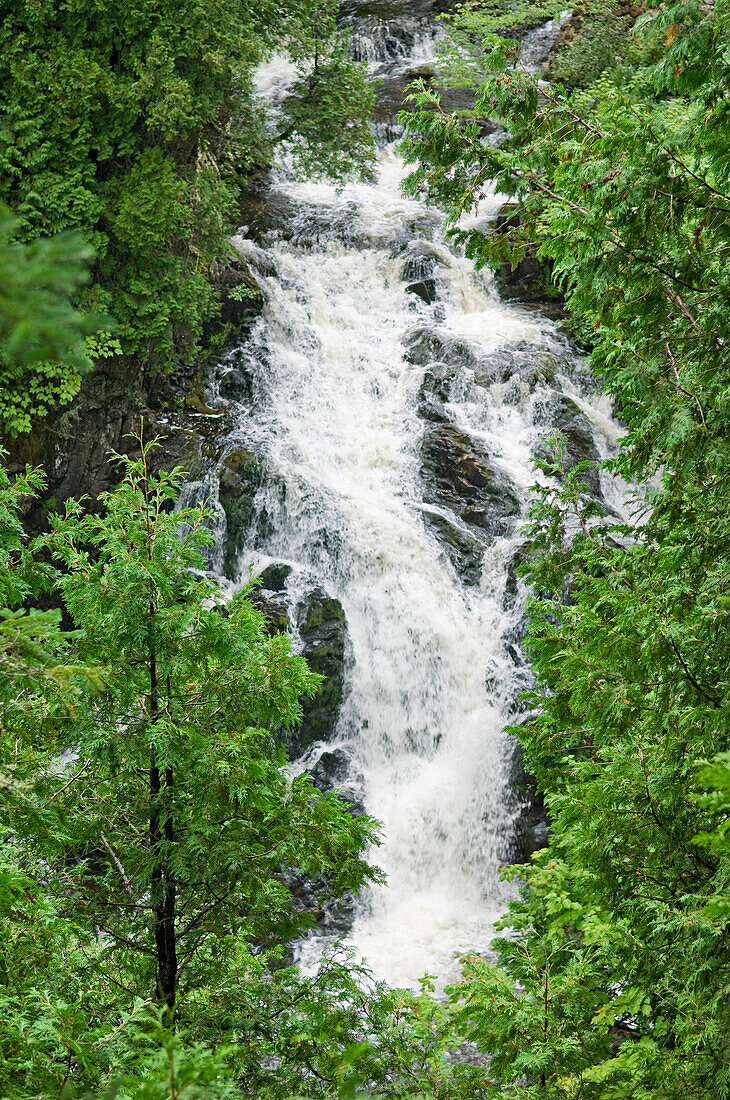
171, 834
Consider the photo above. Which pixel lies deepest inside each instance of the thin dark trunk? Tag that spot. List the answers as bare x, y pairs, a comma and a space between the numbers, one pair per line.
163, 888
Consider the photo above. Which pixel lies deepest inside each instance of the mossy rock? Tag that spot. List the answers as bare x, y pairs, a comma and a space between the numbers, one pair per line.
275, 576
325, 642
241, 476
459, 475
465, 552
563, 415
274, 612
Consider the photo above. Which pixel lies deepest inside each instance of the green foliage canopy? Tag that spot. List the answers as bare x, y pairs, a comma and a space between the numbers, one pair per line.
137, 125
613, 982
155, 849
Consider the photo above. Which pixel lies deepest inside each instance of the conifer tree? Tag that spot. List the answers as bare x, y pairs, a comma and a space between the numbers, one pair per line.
613, 982
172, 829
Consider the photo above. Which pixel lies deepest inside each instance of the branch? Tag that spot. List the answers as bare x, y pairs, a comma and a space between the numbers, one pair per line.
690, 677
71, 780
128, 943
118, 864
680, 387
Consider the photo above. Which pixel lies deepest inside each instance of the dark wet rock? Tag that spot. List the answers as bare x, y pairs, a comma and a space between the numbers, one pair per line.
241, 302
323, 631
459, 476
275, 576
454, 99
234, 385
456, 367
234, 381
338, 914
465, 552
429, 408
425, 289
437, 381
318, 224
241, 297
435, 391
527, 282
511, 588
241, 476
319, 620
425, 345
391, 93
421, 260
274, 611
530, 280
561, 414
404, 11
76, 445
392, 97
332, 769
527, 362
531, 825
263, 209
267, 211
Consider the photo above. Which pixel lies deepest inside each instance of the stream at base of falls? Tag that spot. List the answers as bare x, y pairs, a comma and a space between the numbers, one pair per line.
390, 404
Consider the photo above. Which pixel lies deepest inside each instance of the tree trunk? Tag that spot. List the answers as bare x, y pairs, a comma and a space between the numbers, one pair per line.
163, 888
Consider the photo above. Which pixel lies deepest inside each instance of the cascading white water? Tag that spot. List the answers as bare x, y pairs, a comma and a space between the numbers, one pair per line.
434, 673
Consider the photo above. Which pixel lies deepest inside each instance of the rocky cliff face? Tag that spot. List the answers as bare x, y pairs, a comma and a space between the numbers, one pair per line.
75, 446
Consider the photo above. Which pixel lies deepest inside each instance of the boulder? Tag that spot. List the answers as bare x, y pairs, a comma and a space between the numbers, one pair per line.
425, 289
233, 378
319, 620
524, 361
435, 391
240, 478
333, 770
530, 279
274, 611
275, 576
325, 642
531, 831
465, 552
422, 260
563, 415
459, 476
425, 345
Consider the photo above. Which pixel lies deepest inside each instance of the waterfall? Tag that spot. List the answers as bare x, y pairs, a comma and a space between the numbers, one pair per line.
380, 347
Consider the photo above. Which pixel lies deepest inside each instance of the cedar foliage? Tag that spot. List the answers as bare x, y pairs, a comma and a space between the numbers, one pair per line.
155, 849
614, 980
137, 125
